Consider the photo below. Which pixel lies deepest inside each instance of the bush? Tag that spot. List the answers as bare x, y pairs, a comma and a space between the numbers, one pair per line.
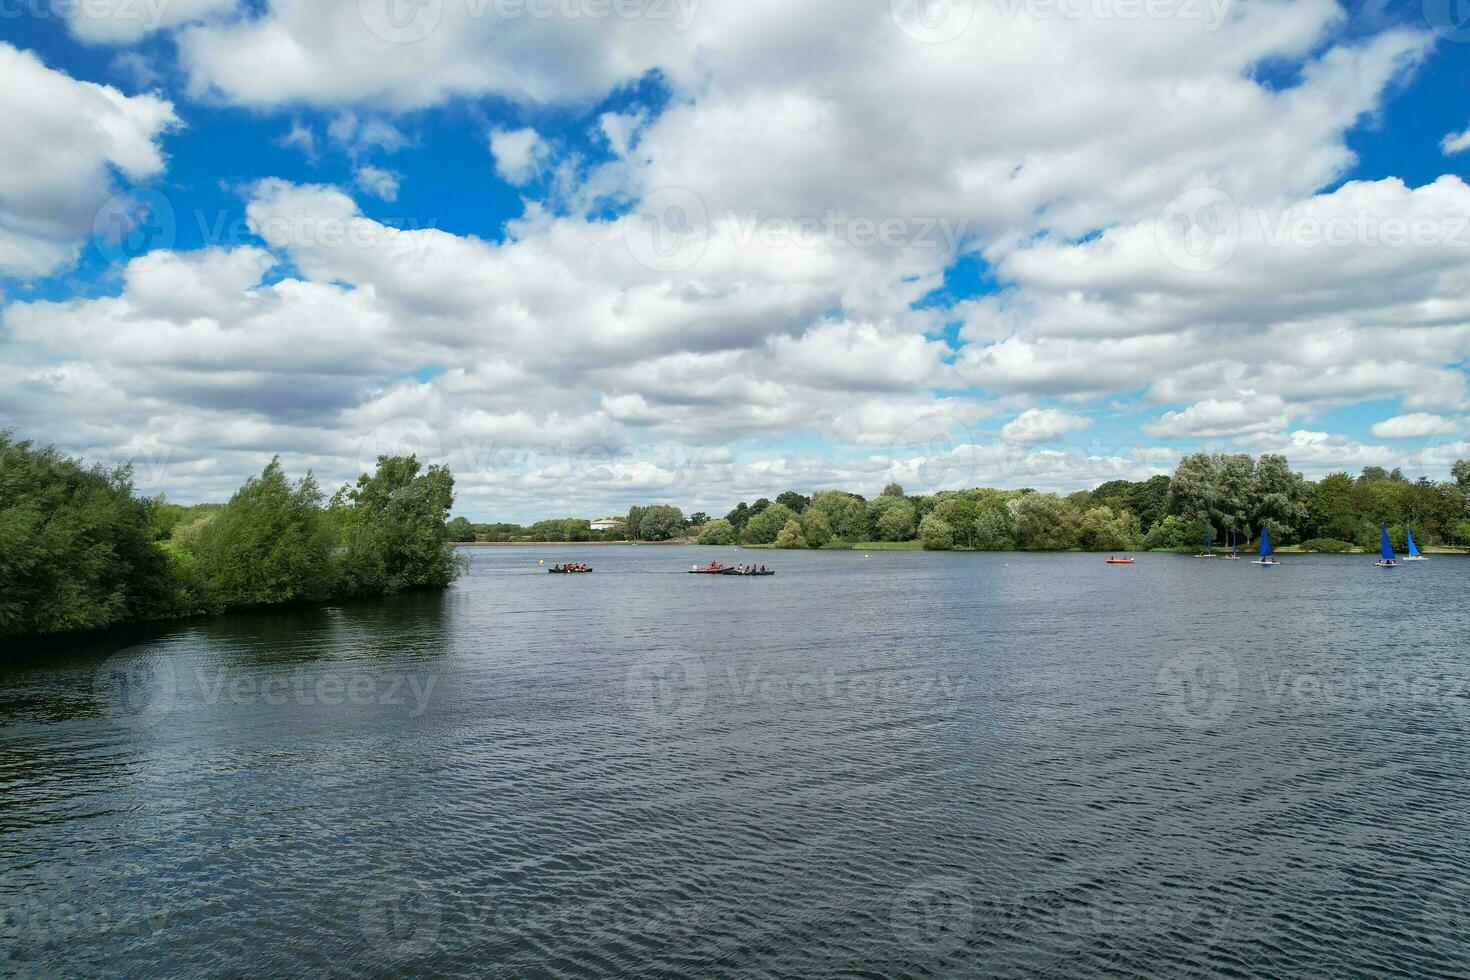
936, 534
77, 549
394, 524
790, 536
765, 526
270, 544
718, 532
1327, 546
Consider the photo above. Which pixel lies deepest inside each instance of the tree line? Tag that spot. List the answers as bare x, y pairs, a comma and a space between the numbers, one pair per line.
80, 550
1208, 496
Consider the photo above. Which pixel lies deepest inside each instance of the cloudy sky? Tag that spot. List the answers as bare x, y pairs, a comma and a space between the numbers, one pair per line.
600, 252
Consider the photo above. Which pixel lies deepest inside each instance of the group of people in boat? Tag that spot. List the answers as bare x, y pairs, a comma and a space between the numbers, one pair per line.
571, 569
749, 570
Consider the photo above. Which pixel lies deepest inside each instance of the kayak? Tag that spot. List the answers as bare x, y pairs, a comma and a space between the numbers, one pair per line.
749, 574
569, 571
1120, 561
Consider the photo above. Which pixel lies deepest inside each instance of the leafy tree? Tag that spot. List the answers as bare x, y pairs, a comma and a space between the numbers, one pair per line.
816, 528
739, 517
846, 512
995, 527
893, 490
661, 522
395, 524
896, 523
271, 543
1046, 522
1278, 497
461, 531
698, 518
794, 501
790, 536
1104, 530
718, 531
936, 533
77, 549
765, 526
1330, 509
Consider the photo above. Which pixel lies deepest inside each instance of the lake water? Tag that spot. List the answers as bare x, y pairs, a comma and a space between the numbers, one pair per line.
913, 764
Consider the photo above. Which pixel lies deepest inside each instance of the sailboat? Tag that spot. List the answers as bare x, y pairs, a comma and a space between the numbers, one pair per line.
1266, 556
1234, 554
1209, 545
1388, 560
1413, 548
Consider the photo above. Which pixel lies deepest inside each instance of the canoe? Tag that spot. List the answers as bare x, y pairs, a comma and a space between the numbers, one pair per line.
1120, 561
720, 570
748, 574
569, 571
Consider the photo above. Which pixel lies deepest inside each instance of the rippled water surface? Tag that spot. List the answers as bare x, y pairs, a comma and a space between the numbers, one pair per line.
913, 764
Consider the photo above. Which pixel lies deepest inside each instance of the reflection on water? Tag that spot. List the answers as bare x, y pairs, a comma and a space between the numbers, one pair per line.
913, 765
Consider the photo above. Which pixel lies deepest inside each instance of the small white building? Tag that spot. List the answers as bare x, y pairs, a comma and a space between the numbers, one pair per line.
608, 524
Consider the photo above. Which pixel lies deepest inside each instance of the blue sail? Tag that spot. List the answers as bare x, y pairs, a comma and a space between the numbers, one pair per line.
1209, 539
1265, 542
1387, 547
1413, 548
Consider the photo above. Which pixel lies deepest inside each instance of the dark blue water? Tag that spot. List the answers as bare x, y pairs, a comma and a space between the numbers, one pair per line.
911, 765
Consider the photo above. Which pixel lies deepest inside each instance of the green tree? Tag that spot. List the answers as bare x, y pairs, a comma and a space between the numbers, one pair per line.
661, 522
765, 526
1046, 522
461, 531
893, 519
847, 513
77, 549
1105, 530
936, 533
1278, 498
270, 544
395, 525
790, 536
893, 490
718, 531
816, 528
794, 501
995, 526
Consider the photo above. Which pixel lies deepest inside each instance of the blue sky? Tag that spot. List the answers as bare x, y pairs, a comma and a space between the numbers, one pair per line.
1110, 240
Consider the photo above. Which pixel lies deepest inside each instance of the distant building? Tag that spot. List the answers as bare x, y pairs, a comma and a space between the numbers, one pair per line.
608, 524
